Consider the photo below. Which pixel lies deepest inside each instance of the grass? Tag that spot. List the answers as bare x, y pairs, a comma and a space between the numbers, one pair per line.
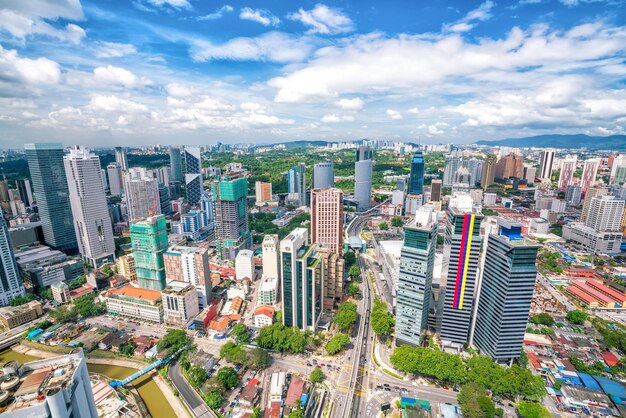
53, 349
392, 374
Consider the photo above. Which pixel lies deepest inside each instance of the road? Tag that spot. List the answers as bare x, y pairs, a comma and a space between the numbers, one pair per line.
569, 306
193, 401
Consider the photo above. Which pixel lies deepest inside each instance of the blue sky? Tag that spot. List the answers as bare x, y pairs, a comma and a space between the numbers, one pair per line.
139, 72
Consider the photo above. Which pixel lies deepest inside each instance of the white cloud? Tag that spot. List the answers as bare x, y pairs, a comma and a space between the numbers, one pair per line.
176, 4
261, 16
178, 90
480, 14
40, 71
323, 20
414, 110
100, 103
120, 76
251, 106
271, 46
337, 118
351, 104
218, 14
435, 129
393, 114
113, 50
21, 26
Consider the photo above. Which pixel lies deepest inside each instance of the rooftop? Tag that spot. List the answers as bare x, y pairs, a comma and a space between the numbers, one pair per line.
136, 293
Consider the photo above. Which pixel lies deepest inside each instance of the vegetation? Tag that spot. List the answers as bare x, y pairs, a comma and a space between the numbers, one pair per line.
337, 343
353, 288
77, 282
196, 375
397, 222
381, 320
258, 358
173, 340
475, 402
513, 382
281, 338
317, 375
383, 226
21, 300
227, 377
532, 410
354, 271
597, 368
240, 333
128, 348
576, 317
350, 259
345, 317
612, 336
64, 314
489, 212
233, 353
86, 306
549, 261
542, 319
213, 399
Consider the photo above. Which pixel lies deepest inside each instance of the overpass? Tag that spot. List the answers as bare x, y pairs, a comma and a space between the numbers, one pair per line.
147, 369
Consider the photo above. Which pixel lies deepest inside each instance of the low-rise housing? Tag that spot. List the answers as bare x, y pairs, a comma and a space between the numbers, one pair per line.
263, 316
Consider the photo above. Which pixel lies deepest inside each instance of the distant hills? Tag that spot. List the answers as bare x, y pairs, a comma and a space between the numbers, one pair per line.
612, 142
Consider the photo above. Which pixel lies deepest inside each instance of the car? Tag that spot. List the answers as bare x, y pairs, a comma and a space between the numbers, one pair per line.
388, 389
322, 364
309, 364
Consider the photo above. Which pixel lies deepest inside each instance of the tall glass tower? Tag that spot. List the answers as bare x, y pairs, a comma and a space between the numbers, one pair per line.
47, 172
176, 164
10, 280
149, 241
416, 179
193, 175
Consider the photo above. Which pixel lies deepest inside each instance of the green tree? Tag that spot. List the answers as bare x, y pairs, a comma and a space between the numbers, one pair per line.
353, 288
241, 333
86, 306
354, 271
63, 314
256, 412
345, 317
397, 222
258, 358
173, 340
381, 320
21, 300
383, 226
317, 375
577, 317
213, 399
350, 258
233, 353
337, 343
532, 410
227, 377
128, 347
196, 376
542, 319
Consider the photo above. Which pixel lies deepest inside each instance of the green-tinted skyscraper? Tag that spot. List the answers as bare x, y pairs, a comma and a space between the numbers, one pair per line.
149, 241
231, 215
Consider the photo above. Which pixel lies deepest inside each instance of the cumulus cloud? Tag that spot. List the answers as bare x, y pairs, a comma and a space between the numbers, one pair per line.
217, 14
261, 16
17, 70
337, 118
120, 76
393, 114
176, 4
113, 50
178, 90
101, 103
480, 14
351, 104
323, 20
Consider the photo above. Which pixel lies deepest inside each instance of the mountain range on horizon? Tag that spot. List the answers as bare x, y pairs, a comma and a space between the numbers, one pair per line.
567, 141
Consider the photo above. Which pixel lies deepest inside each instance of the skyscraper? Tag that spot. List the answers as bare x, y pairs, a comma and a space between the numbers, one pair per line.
121, 158
417, 260
590, 170
231, 215
176, 165
141, 191
193, 175
26, 194
301, 291
271, 250
529, 174
89, 207
460, 268
605, 214
590, 194
10, 280
262, 192
416, 178
572, 195
45, 162
489, 172
327, 219
435, 190
323, 175
116, 182
164, 200
296, 184
363, 178
566, 177
510, 165
475, 168
506, 291
148, 238
546, 164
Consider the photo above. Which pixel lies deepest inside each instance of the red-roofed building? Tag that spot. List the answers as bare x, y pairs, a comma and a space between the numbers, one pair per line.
610, 359
273, 411
85, 289
598, 296
581, 296
534, 360
294, 392
263, 316
249, 395
607, 291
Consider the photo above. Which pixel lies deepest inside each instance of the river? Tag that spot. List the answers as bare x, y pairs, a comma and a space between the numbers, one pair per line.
150, 393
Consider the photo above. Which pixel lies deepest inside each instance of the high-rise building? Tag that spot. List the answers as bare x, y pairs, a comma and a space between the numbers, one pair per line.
90, 211
47, 172
435, 190
475, 168
453, 162
590, 170
506, 291
546, 164
141, 191
332, 278
462, 180
271, 251
620, 176
617, 162
116, 184
460, 267
605, 214
323, 175
296, 184
244, 265
416, 178
10, 280
26, 194
148, 238
417, 260
572, 195
566, 177
590, 194
263, 192
511, 165
529, 174
126, 266
164, 200
327, 219
176, 165
489, 171
121, 157
363, 178
180, 303
301, 286
602, 231
193, 175
231, 215
191, 265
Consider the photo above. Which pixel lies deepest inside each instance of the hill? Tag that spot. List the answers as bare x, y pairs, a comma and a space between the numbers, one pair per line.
612, 142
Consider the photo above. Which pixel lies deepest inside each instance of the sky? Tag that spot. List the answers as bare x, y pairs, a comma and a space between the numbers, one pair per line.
141, 72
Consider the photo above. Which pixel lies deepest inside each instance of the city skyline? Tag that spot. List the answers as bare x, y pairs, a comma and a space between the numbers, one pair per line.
173, 72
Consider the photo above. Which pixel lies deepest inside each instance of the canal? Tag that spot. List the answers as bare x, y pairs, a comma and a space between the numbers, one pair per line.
147, 388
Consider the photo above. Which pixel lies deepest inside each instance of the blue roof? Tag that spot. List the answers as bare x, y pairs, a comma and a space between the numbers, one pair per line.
571, 380
611, 387
34, 333
589, 382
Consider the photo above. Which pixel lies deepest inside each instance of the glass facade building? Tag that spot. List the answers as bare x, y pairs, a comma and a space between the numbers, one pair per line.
416, 179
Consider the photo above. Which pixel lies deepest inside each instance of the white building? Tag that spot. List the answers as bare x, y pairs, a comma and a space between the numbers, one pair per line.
11, 284
558, 205
277, 385
92, 223
263, 316
142, 194
116, 184
601, 232
489, 199
244, 265
180, 302
268, 291
270, 256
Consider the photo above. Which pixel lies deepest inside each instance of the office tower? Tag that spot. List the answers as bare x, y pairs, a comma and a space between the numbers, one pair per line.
416, 178
244, 265
296, 184
327, 219
89, 207
529, 174
10, 280
116, 183
417, 260
489, 172
164, 200
56, 387
590, 170
191, 265
590, 194
511, 165
602, 230
452, 164
323, 175
231, 215
207, 211
332, 278
263, 192
163, 175
148, 238
26, 194
301, 287
546, 164
460, 268
572, 195
271, 251
620, 176
462, 180
121, 158
141, 191
566, 177
193, 175
45, 162
176, 165
174, 190
617, 162
475, 168
435, 190
506, 291
363, 178
4, 191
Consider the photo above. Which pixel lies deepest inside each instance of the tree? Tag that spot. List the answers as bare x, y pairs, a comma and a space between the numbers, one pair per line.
213, 399
258, 358
350, 258
241, 333
227, 377
128, 348
173, 340
86, 306
196, 376
353, 288
354, 271
63, 314
233, 353
281, 338
21, 300
383, 226
337, 343
397, 222
576, 317
256, 412
532, 410
317, 376
380, 319
345, 316
542, 319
